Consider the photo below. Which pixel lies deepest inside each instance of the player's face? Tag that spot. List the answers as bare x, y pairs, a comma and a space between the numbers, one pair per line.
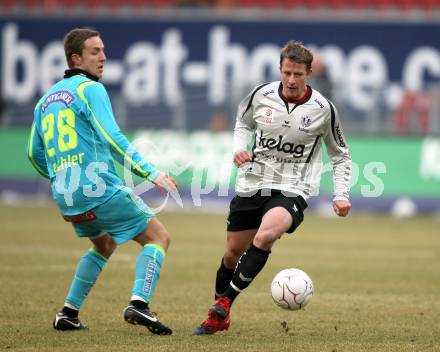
93, 57
294, 78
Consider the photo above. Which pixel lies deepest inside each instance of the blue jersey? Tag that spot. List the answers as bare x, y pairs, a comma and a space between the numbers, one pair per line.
73, 142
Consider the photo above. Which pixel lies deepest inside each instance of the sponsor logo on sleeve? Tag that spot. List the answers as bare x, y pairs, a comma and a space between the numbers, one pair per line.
321, 105
268, 92
339, 138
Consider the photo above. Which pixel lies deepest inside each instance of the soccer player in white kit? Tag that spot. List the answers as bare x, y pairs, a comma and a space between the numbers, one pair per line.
286, 120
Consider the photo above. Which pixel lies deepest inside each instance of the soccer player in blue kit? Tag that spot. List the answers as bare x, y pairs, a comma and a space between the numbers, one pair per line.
73, 142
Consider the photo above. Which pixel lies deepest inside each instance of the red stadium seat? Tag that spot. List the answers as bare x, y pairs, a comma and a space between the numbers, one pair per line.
382, 4
31, 4
293, 3
314, 4
246, 3
362, 4
337, 4
429, 4
71, 3
272, 4
8, 4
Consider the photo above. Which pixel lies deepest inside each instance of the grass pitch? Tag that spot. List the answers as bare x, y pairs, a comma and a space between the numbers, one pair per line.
377, 287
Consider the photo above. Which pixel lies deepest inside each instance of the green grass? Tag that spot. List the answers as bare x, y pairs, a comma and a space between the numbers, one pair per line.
377, 287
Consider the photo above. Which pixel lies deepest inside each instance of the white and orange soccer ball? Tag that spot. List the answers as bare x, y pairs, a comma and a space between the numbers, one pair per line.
292, 289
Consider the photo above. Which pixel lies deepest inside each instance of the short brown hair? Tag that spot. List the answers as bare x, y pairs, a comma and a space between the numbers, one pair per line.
295, 51
74, 42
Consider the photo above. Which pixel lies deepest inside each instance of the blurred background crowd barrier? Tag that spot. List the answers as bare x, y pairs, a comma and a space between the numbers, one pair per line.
176, 71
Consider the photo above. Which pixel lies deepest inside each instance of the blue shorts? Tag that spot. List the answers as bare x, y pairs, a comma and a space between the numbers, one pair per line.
123, 216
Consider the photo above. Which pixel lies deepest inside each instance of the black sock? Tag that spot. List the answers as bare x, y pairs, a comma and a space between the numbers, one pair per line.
71, 313
249, 265
139, 304
223, 278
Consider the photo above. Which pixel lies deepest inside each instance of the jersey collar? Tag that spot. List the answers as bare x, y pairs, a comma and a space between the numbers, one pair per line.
306, 96
77, 71
304, 99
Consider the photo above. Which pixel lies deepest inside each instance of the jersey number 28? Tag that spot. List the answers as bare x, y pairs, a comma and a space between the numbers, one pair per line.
67, 136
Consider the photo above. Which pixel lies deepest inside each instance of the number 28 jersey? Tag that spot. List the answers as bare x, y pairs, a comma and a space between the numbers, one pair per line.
286, 141
73, 142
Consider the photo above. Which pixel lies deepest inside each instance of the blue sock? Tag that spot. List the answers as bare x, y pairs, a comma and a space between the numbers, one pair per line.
147, 272
88, 270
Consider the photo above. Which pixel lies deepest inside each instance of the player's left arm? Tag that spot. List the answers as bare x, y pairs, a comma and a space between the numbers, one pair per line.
36, 152
103, 120
340, 158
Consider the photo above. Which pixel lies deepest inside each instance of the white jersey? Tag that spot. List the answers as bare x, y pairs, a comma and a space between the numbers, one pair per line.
287, 152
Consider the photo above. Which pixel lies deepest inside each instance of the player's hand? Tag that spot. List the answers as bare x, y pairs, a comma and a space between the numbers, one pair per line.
165, 183
241, 156
341, 207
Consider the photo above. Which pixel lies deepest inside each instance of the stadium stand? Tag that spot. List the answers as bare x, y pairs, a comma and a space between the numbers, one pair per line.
424, 5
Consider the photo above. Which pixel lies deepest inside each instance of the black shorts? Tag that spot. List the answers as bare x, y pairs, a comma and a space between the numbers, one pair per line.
246, 213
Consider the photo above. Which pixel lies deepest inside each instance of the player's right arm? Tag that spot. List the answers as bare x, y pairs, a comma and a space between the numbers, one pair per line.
36, 152
244, 130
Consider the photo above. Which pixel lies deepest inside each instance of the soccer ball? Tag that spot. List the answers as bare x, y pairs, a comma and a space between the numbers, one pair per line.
292, 289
